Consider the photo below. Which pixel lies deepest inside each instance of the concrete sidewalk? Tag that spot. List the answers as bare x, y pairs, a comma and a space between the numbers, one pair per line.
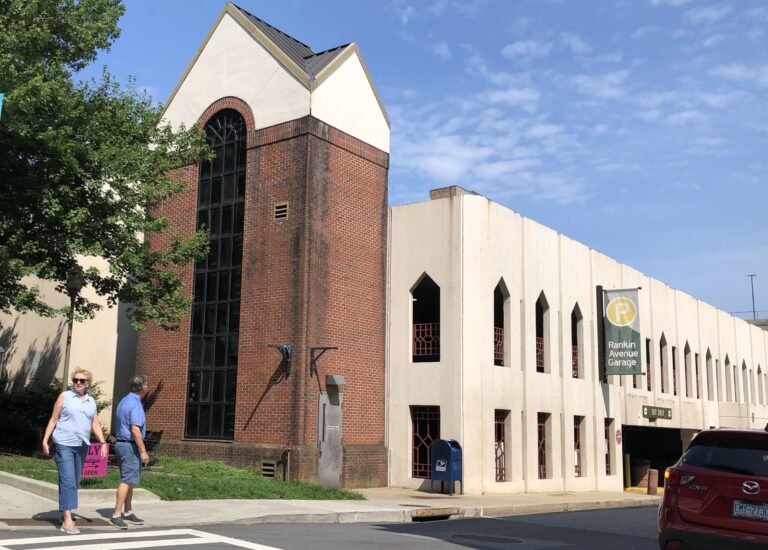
32, 504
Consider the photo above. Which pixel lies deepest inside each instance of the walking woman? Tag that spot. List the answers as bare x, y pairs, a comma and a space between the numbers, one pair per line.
71, 423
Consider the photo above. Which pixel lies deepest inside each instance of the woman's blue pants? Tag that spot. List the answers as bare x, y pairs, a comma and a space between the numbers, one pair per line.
69, 461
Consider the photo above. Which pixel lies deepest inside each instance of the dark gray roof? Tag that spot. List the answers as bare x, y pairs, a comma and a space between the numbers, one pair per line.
301, 54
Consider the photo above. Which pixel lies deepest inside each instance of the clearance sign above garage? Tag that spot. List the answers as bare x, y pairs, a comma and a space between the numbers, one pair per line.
621, 322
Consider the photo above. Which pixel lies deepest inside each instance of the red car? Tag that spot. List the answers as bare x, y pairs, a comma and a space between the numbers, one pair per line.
716, 495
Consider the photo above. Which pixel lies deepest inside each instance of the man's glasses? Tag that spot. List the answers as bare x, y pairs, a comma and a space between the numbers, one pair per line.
79, 380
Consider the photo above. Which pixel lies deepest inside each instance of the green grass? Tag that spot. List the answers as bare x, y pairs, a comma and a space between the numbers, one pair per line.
181, 479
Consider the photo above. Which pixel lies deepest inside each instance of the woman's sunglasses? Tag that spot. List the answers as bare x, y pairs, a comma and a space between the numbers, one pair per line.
79, 380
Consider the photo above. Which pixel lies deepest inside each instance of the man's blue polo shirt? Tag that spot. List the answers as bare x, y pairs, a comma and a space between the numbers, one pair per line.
130, 412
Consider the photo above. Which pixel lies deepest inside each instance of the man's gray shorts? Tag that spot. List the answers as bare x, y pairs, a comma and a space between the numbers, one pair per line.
129, 460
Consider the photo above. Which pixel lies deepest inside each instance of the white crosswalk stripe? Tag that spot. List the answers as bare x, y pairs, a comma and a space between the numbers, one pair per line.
117, 541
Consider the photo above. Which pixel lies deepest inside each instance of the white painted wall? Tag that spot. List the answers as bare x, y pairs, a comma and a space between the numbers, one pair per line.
346, 101
467, 243
105, 345
233, 63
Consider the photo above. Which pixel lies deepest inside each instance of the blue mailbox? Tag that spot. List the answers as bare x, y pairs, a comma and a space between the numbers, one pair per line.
446, 464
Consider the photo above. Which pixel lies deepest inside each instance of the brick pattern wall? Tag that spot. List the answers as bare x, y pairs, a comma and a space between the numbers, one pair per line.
364, 466
315, 278
291, 462
163, 355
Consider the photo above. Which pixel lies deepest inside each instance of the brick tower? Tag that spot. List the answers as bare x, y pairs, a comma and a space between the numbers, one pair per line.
296, 205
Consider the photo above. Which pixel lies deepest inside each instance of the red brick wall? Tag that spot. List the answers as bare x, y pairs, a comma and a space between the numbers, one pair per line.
160, 353
315, 278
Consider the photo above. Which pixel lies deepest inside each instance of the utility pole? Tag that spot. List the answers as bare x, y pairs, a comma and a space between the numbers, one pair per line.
752, 283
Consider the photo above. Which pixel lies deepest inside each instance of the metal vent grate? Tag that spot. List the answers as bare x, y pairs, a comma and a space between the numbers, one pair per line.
268, 469
281, 211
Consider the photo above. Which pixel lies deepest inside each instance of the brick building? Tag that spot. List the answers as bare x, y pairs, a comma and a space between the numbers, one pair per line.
296, 205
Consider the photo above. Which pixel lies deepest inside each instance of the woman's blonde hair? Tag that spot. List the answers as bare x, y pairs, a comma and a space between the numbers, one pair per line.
86, 372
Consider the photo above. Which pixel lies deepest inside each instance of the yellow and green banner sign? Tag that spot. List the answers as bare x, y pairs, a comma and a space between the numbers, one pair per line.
621, 320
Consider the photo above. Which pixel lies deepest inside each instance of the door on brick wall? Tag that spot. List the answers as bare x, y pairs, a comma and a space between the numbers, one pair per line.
329, 438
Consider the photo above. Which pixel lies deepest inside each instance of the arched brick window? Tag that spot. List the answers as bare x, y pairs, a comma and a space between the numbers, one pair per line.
216, 306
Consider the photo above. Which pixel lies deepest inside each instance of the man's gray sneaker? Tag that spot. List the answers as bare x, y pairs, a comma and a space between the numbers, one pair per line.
132, 518
118, 522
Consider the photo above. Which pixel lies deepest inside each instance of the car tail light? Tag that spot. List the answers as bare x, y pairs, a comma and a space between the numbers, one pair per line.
674, 477
673, 545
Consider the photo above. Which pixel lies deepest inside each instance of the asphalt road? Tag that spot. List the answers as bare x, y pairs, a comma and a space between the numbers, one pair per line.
622, 529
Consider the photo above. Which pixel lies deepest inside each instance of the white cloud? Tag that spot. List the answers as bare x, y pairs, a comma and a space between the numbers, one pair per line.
490, 171
690, 116
538, 131
559, 188
613, 57
475, 64
527, 49
654, 100
599, 129
669, 2
709, 141
710, 14
447, 159
722, 98
742, 73
468, 8
759, 14
713, 41
525, 98
606, 86
442, 51
576, 43
642, 32
438, 7
649, 115
486, 142
404, 12
733, 72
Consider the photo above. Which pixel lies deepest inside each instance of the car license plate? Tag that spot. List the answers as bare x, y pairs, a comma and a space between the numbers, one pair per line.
750, 510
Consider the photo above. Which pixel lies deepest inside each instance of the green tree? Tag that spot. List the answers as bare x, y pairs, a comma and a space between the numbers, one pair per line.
84, 167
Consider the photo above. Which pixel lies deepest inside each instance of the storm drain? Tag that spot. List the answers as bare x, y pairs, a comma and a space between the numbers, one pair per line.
487, 538
433, 514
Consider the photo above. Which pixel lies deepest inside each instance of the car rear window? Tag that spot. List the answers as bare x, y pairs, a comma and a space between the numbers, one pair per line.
738, 453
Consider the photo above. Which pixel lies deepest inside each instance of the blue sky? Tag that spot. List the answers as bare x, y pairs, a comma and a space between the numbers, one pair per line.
638, 128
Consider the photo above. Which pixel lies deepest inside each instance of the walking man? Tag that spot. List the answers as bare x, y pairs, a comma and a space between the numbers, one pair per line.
130, 450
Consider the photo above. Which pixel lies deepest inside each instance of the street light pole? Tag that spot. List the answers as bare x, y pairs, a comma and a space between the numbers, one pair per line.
752, 282
75, 283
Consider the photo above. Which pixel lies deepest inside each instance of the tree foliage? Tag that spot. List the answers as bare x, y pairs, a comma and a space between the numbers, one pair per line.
84, 167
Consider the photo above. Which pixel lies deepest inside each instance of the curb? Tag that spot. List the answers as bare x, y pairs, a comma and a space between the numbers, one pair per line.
84, 496
442, 513
552, 507
383, 516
